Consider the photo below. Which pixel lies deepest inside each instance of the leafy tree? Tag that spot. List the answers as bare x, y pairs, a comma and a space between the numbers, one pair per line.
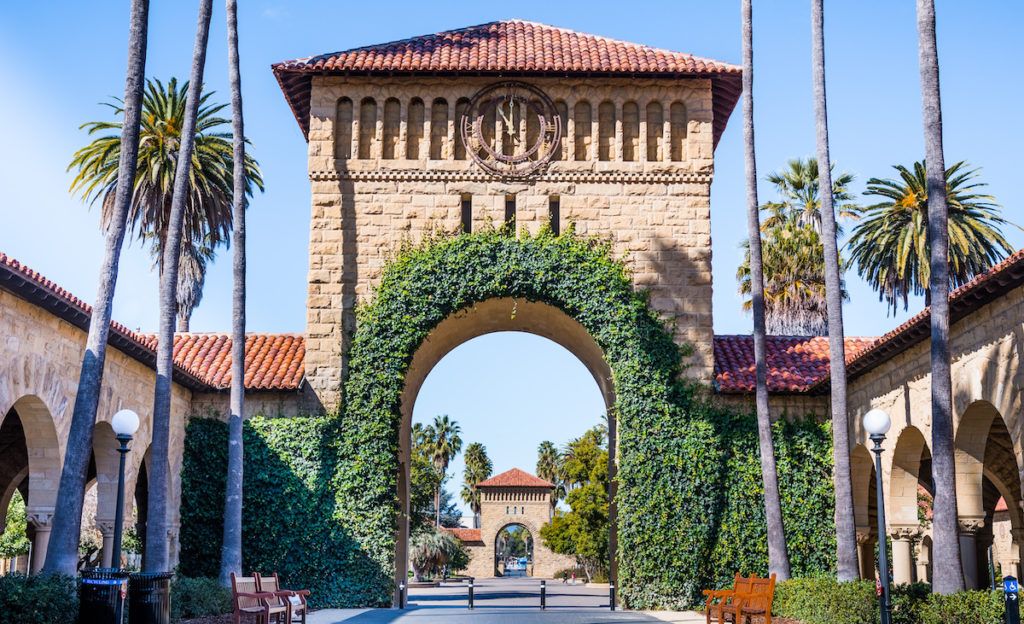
61, 554
549, 469
583, 530
442, 442
478, 468
890, 246
795, 293
799, 187
14, 540
432, 550
778, 557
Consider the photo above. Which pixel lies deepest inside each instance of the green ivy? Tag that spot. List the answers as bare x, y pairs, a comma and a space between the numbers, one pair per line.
689, 490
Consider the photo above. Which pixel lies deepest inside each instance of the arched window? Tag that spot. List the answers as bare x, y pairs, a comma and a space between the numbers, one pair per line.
582, 119
563, 119
392, 125
605, 131
655, 132
343, 129
532, 130
461, 106
630, 131
367, 126
414, 129
677, 115
438, 128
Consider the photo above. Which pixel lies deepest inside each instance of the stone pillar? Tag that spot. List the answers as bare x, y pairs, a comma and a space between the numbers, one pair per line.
106, 528
865, 553
924, 561
902, 559
1011, 565
969, 528
42, 522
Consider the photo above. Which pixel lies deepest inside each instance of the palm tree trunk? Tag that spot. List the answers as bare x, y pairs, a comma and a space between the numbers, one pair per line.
231, 550
778, 558
846, 531
184, 320
62, 552
437, 506
947, 574
157, 559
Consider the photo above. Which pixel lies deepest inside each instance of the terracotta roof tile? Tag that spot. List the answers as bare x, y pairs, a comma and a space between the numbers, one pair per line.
465, 535
795, 363
511, 47
515, 478
202, 361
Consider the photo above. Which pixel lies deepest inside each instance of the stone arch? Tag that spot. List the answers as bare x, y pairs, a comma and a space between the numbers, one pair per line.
582, 130
367, 127
655, 131
630, 131
461, 106
562, 153
414, 129
678, 120
438, 128
343, 128
533, 535
906, 476
392, 126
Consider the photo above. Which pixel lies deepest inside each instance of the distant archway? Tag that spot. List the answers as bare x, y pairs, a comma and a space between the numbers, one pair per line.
513, 551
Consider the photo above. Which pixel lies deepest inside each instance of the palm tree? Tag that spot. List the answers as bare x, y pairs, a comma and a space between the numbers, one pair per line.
778, 558
478, 468
444, 443
156, 526
799, 187
890, 246
795, 293
846, 531
947, 573
549, 469
62, 553
231, 549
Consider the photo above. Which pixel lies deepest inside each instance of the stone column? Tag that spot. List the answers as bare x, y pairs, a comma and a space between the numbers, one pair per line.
1012, 563
924, 560
902, 559
106, 528
969, 528
642, 136
865, 553
41, 521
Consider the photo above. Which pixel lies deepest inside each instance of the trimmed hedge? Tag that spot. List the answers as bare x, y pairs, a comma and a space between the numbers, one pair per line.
826, 601
198, 597
50, 599
690, 509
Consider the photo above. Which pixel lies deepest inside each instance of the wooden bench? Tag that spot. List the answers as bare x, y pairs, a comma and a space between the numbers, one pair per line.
247, 599
296, 599
750, 597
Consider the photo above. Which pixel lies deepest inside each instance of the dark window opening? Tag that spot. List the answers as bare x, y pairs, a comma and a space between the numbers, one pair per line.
555, 215
510, 212
467, 214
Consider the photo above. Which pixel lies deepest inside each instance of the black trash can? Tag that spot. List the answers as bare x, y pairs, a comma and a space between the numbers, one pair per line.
149, 598
101, 596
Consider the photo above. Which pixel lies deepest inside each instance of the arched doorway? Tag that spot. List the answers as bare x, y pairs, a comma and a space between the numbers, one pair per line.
490, 317
513, 551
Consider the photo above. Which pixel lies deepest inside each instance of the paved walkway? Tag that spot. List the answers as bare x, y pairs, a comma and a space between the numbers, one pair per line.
503, 601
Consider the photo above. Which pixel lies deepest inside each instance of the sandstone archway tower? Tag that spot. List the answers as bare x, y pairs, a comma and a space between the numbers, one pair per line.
388, 163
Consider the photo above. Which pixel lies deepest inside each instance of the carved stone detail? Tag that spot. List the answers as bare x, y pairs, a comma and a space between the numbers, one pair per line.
907, 533
468, 176
40, 519
970, 526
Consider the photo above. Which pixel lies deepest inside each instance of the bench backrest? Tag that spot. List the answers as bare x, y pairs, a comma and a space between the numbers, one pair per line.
270, 584
246, 585
761, 591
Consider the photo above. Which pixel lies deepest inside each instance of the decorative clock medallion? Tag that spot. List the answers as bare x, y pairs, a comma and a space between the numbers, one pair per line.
511, 129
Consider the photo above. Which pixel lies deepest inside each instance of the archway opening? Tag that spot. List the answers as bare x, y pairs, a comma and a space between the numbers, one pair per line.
513, 551
524, 383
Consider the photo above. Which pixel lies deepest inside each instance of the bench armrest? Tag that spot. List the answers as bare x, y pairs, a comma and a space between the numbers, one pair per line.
257, 595
719, 593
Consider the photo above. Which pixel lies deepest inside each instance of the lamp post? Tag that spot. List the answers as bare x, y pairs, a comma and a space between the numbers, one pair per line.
877, 423
124, 423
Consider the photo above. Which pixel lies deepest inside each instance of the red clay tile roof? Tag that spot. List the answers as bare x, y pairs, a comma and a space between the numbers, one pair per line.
509, 48
466, 535
202, 361
795, 363
516, 478
983, 289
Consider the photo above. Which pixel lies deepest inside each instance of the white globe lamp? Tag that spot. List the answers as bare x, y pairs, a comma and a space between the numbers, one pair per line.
125, 423
877, 422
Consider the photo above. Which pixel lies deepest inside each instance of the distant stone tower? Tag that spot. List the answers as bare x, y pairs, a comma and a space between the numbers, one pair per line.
510, 498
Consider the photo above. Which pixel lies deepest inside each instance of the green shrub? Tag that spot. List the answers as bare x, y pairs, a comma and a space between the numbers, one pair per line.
198, 597
970, 607
826, 601
38, 599
906, 602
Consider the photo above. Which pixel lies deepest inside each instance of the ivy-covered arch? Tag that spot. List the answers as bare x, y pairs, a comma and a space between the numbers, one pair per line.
689, 490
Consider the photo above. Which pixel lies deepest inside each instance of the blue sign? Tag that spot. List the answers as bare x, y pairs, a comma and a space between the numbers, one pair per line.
1010, 585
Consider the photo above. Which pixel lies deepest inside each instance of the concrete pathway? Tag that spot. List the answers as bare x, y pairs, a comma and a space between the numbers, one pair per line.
503, 601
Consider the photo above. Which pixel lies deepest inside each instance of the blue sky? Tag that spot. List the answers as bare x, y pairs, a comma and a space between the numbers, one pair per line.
58, 60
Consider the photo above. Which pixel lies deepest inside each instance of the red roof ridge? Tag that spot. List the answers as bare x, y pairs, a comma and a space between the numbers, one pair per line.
515, 477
